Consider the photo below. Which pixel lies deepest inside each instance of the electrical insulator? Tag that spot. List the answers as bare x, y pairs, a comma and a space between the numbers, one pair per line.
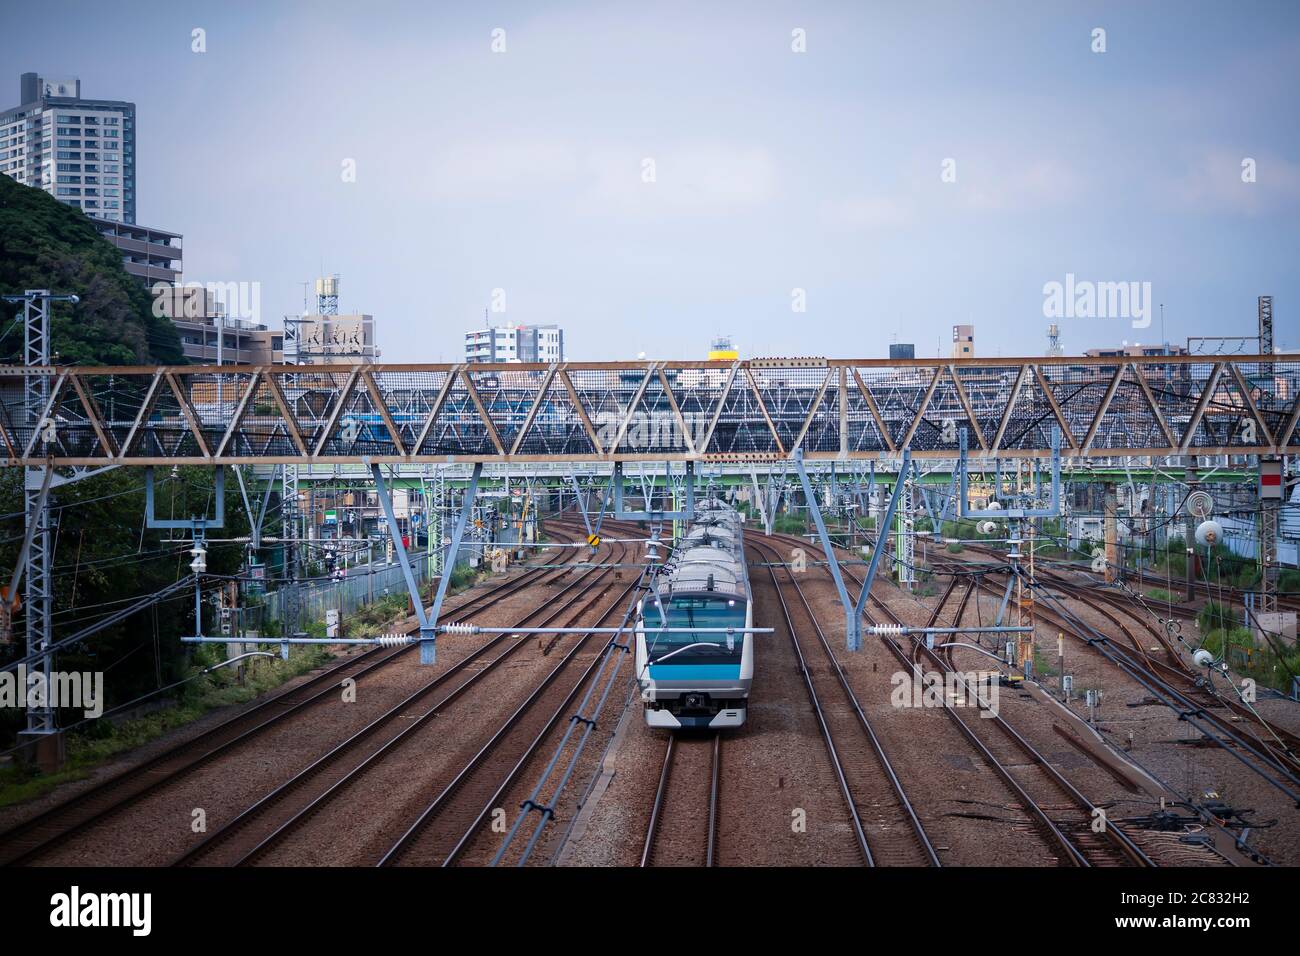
200, 563
1209, 533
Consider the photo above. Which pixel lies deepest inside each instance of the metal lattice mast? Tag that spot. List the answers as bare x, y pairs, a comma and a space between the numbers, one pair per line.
39, 600
1268, 557
289, 516
1266, 337
38, 595
906, 549
437, 516
1272, 492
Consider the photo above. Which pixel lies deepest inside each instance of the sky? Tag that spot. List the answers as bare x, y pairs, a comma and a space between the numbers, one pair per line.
808, 178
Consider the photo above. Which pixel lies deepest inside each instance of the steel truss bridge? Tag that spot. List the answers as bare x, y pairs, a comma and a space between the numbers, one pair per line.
746, 411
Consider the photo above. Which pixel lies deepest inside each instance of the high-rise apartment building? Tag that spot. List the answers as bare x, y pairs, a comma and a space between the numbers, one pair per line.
540, 343
515, 343
81, 151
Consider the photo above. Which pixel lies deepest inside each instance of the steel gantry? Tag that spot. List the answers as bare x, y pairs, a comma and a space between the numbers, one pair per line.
745, 411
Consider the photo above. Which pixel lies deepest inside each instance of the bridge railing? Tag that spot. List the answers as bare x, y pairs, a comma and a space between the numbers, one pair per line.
759, 409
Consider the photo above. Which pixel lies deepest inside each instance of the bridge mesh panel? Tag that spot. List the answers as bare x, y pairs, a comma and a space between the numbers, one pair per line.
144, 408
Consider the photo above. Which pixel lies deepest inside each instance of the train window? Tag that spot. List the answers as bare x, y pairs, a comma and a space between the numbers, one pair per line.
691, 612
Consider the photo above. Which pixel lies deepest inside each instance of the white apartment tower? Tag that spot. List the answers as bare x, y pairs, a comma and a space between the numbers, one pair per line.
515, 343
80, 151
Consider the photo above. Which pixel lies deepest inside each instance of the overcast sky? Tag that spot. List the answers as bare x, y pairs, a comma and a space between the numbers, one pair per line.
773, 170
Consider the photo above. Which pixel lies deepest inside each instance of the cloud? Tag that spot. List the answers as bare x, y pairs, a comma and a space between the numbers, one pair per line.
1014, 183
866, 212
502, 170
1210, 181
680, 180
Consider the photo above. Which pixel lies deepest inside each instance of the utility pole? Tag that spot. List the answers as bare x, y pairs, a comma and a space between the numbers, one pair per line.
41, 741
1112, 539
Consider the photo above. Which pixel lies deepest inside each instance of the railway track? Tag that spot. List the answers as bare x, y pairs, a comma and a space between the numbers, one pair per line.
683, 828
1275, 752
891, 833
1164, 846
260, 828
1213, 592
1068, 827
445, 829
28, 840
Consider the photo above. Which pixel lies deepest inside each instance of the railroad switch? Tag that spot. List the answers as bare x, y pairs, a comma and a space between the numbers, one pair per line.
1229, 815
1165, 820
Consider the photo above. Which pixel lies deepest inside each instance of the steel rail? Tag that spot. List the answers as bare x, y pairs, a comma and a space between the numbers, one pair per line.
230, 830
1115, 834
877, 746
26, 840
837, 766
408, 839
657, 809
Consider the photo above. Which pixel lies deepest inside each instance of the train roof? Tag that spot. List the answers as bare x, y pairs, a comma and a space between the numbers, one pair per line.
710, 558
708, 570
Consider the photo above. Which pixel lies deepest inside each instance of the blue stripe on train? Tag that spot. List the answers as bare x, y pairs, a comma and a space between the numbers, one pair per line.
695, 672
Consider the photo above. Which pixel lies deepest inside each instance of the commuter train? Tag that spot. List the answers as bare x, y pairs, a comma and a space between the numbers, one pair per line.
698, 679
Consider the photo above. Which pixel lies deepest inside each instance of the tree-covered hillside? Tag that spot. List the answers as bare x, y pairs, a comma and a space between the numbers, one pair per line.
103, 556
45, 244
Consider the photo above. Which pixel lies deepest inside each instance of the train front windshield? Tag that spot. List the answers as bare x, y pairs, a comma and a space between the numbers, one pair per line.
685, 647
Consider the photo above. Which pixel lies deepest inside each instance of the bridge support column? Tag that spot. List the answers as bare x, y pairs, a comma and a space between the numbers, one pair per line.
428, 621
852, 609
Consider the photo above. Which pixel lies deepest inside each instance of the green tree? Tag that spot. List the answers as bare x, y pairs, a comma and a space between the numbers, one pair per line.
103, 555
45, 244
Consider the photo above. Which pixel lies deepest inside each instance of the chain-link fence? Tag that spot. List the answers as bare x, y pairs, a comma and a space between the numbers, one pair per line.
363, 584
